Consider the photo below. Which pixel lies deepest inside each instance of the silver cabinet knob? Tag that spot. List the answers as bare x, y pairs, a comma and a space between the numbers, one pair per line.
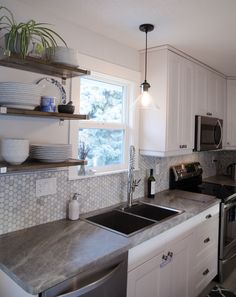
164, 257
206, 272
206, 240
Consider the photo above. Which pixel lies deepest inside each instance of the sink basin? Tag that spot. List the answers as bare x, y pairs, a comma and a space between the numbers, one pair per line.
153, 212
121, 222
129, 220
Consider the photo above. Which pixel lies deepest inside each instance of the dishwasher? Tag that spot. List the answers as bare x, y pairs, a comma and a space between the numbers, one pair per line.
106, 281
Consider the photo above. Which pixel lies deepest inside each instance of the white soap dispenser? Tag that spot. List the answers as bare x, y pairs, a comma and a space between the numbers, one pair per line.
74, 207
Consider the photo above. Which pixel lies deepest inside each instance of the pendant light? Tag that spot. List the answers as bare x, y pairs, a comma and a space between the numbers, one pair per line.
146, 100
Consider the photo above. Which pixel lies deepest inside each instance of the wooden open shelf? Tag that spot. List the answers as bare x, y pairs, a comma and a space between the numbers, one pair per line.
31, 165
34, 113
41, 66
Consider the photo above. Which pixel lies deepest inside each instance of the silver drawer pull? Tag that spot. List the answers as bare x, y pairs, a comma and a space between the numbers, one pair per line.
206, 240
206, 272
164, 257
208, 216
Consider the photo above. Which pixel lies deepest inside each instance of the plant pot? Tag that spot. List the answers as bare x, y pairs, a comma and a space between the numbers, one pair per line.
14, 44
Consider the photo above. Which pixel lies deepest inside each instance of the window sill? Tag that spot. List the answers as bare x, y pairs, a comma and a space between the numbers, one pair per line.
97, 174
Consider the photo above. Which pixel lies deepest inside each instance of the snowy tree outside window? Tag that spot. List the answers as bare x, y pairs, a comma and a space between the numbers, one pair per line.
106, 132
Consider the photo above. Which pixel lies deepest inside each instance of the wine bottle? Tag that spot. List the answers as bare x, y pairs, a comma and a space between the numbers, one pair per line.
151, 185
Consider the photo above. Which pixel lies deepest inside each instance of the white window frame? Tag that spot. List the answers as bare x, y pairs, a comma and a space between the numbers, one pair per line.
120, 76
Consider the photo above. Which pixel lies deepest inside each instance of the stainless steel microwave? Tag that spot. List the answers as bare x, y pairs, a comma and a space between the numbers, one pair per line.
208, 133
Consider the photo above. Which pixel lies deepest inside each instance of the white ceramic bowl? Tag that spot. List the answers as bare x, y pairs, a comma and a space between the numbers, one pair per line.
14, 151
65, 55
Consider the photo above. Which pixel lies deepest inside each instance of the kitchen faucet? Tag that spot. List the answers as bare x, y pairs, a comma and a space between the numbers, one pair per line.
132, 183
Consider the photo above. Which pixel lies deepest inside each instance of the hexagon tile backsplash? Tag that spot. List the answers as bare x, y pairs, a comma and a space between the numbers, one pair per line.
20, 208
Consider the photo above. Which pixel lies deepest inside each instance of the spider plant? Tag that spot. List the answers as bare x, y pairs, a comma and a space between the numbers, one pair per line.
19, 35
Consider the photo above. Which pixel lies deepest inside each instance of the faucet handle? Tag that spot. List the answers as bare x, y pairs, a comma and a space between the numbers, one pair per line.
136, 182
76, 196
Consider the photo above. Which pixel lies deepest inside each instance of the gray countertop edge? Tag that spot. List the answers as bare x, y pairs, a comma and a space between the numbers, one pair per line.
174, 199
36, 290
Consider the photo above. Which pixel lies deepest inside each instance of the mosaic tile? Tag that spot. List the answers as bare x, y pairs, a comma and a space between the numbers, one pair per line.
20, 208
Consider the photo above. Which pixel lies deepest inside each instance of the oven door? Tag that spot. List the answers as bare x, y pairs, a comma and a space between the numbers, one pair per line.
208, 133
228, 229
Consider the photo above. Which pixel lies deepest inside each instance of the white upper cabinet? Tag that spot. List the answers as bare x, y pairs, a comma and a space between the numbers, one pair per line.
181, 89
169, 130
210, 93
231, 119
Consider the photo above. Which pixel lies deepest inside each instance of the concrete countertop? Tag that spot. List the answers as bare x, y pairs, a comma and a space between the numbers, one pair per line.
223, 180
40, 257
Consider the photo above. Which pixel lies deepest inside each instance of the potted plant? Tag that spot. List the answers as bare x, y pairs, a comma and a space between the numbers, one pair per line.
83, 153
18, 35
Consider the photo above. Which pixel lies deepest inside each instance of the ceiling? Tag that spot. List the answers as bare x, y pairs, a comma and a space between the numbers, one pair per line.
204, 29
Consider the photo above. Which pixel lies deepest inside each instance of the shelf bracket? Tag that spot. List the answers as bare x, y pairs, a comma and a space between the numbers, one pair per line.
61, 122
3, 110
63, 81
3, 170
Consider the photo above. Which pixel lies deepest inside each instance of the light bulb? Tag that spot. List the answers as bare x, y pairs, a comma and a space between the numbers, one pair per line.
145, 99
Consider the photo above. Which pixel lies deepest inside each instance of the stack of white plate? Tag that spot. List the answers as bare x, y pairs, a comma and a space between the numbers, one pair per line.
65, 55
50, 153
19, 95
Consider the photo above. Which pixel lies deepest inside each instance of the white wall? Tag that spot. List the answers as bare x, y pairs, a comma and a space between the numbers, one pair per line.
91, 47
87, 42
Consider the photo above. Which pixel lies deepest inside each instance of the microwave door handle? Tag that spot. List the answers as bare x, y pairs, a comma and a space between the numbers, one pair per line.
221, 134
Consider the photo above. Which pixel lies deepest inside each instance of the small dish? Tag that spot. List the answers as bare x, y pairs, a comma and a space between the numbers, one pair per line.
66, 108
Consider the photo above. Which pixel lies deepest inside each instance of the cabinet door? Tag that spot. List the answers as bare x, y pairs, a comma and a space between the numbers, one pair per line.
186, 117
231, 119
180, 274
220, 97
145, 279
200, 90
173, 115
211, 93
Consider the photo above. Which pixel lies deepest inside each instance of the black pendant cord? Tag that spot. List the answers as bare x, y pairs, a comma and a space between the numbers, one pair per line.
145, 28
145, 77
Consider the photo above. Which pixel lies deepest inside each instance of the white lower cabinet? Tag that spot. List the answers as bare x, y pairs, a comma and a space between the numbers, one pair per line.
181, 262
165, 275
9, 288
145, 280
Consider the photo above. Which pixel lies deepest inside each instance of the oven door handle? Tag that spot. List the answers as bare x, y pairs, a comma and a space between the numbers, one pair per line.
89, 287
229, 205
229, 259
221, 133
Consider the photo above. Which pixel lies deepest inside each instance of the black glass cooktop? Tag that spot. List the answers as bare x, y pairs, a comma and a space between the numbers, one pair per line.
219, 191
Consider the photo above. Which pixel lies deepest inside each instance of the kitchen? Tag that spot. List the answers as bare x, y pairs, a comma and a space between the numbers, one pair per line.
23, 209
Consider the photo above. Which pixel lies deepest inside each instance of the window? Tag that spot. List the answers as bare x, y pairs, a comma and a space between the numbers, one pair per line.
106, 133
108, 96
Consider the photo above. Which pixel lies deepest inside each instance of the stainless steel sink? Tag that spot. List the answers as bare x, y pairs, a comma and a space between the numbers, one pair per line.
120, 221
153, 212
130, 220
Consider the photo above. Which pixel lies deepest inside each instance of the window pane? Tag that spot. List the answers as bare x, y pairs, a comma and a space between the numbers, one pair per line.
106, 146
101, 101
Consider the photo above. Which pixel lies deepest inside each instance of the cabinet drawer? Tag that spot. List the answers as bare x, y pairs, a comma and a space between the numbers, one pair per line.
207, 237
210, 214
205, 271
